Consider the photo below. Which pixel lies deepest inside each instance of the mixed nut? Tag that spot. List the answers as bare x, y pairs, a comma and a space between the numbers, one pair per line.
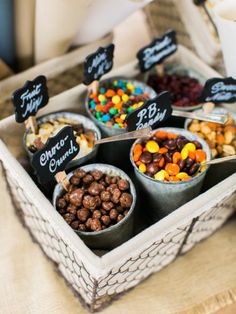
220, 138
95, 201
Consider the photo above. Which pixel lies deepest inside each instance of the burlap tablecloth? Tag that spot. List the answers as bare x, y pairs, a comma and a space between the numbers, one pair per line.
202, 281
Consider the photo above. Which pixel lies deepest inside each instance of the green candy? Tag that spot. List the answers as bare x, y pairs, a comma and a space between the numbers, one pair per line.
113, 111
98, 115
103, 102
116, 125
130, 109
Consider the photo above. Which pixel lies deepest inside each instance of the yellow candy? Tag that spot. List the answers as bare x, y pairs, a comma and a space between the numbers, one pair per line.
160, 175
152, 147
166, 174
142, 168
130, 86
115, 82
123, 116
135, 106
101, 97
116, 99
184, 153
203, 168
190, 147
182, 175
125, 97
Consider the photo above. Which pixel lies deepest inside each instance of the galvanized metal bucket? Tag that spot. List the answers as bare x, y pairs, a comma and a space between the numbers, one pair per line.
113, 236
164, 197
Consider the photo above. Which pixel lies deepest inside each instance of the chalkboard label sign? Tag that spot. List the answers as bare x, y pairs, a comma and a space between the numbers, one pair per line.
30, 98
218, 90
98, 63
55, 155
158, 50
152, 113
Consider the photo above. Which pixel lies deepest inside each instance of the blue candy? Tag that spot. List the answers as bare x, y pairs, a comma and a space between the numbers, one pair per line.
106, 118
102, 90
138, 90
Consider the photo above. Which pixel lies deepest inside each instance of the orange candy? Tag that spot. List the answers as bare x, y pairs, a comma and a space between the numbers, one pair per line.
171, 136
137, 147
163, 150
192, 155
172, 169
110, 93
118, 120
161, 134
137, 155
118, 106
120, 92
161, 162
176, 157
98, 108
173, 179
200, 155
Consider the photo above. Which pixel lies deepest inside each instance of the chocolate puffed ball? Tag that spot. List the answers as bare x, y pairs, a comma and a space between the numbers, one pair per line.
126, 200
105, 220
123, 184
105, 196
87, 179
61, 203
76, 196
116, 193
95, 225
79, 173
83, 214
95, 188
97, 174
89, 202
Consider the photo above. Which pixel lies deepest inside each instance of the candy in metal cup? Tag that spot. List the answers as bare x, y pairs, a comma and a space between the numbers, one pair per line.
113, 236
117, 153
164, 197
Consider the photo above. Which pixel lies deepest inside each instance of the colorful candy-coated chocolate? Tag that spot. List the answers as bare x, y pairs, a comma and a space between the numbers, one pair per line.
168, 157
114, 101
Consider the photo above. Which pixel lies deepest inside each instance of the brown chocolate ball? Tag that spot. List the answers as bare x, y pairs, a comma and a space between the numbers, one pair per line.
89, 202
87, 179
105, 196
98, 201
72, 209
88, 223
83, 214
116, 193
107, 205
126, 200
61, 202
105, 220
75, 180
69, 218
82, 227
97, 174
97, 214
96, 225
123, 184
95, 188
120, 217
75, 224
113, 214
76, 196
79, 173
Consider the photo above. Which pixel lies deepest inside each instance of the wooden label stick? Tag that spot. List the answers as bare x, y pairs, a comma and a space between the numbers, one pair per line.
62, 178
